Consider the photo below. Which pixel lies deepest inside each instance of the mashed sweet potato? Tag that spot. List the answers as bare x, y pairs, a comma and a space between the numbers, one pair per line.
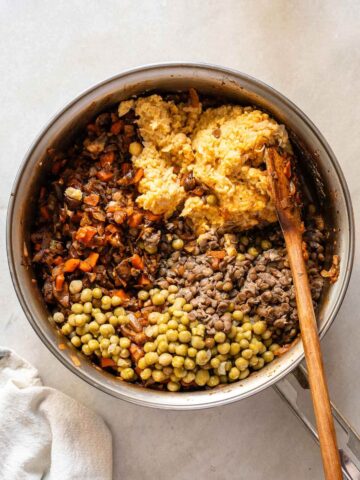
222, 147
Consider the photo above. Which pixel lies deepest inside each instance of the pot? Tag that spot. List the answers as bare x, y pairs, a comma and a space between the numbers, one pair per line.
321, 174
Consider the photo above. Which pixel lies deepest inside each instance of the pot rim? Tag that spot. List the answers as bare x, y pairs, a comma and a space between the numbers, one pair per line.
230, 396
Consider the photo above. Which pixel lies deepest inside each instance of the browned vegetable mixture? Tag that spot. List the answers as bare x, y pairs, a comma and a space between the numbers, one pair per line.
147, 297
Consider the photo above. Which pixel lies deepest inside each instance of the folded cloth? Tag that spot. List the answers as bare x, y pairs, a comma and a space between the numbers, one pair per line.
44, 434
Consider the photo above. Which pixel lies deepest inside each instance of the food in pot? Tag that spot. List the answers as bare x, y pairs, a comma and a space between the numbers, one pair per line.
221, 149
157, 246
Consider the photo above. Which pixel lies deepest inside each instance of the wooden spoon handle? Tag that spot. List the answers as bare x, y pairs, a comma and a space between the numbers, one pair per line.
310, 339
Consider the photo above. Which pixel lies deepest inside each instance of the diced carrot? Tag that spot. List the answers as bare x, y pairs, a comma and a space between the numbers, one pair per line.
107, 362
59, 282
135, 220
104, 176
287, 169
151, 217
42, 193
85, 234
92, 259
76, 218
92, 199
137, 262
125, 168
129, 130
194, 97
121, 293
58, 260
216, 253
85, 267
144, 280
91, 127
55, 169
107, 158
138, 175
71, 265
117, 127
44, 212
136, 352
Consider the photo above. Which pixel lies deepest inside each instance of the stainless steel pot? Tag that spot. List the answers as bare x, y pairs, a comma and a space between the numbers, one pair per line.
320, 165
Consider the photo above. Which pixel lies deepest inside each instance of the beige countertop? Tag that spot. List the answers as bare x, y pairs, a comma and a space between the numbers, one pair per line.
308, 50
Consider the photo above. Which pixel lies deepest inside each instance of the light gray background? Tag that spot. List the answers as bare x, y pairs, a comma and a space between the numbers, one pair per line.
308, 50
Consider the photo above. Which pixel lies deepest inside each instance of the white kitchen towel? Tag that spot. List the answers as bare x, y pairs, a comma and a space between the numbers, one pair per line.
44, 434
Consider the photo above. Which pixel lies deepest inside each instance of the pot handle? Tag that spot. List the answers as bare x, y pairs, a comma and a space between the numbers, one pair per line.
293, 390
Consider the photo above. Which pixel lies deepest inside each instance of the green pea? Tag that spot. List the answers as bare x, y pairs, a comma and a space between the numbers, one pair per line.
75, 286
189, 363
268, 356
181, 350
244, 240
253, 252
116, 301
189, 377
146, 374
274, 348
86, 350
173, 289
151, 358
76, 341
234, 373
173, 386
185, 336
202, 357
202, 377
158, 376
173, 324
237, 315
177, 244
215, 363
192, 352
127, 374
244, 374
253, 361
93, 344
247, 353
158, 299
86, 295
234, 348
143, 295
172, 347
97, 293
259, 327
107, 330
219, 337
172, 335
100, 318
58, 317
177, 361
165, 359
241, 363
124, 342
266, 245
77, 308
197, 342
260, 364
151, 249
211, 200
224, 348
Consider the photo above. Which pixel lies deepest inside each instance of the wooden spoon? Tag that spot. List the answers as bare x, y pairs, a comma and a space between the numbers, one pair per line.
278, 167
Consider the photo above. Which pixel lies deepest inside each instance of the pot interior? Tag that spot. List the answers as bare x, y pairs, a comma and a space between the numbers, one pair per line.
321, 177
